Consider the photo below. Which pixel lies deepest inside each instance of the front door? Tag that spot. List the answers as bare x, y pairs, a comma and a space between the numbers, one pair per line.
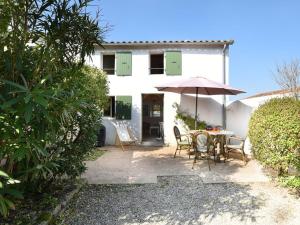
152, 118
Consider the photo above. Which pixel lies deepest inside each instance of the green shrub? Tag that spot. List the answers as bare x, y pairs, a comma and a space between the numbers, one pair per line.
46, 136
50, 103
188, 120
274, 132
7, 193
290, 181
80, 114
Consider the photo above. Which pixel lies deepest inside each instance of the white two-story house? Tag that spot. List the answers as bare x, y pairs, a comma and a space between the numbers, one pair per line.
134, 69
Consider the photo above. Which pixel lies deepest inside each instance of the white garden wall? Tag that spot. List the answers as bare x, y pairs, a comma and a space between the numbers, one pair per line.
239, 113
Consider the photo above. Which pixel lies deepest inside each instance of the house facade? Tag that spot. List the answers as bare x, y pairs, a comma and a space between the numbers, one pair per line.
135, 68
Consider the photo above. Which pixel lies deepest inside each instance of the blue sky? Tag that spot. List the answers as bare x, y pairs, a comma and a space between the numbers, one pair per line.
266, 32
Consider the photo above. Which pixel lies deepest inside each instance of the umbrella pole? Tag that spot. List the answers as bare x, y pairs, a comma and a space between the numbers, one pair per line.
196, 108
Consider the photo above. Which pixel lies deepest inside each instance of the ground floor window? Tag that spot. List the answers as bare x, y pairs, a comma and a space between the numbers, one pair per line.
119, 107
111, 108
123, 107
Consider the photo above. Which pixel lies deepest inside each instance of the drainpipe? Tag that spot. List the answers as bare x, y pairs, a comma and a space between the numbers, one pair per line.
225, 48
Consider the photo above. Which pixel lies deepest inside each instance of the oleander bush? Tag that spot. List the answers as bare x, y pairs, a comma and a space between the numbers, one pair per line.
7, 193
50, 101
274, 132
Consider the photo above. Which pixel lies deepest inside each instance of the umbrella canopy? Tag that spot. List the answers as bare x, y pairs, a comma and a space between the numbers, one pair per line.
198, 85
204, 86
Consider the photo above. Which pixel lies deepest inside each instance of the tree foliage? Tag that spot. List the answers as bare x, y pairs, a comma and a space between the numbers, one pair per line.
50, 102
287, 76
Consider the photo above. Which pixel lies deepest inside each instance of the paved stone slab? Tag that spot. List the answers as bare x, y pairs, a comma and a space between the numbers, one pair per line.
142, 165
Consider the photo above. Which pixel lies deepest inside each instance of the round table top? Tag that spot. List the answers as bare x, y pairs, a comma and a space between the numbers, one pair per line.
215, 133
221, 132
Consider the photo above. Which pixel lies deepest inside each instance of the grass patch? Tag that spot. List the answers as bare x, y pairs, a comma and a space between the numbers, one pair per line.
94, 154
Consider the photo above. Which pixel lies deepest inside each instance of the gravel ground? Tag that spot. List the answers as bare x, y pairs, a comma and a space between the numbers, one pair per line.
183, 200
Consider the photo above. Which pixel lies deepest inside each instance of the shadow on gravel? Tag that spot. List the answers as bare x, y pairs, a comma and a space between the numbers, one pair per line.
174, 200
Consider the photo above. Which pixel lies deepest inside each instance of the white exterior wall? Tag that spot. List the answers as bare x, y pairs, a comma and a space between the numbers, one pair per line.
206, 62
239, 113
209, 109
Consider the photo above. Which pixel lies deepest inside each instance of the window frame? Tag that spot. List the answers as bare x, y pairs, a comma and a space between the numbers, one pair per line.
120, 114
112, 107
152, 114
114, 69
164, 62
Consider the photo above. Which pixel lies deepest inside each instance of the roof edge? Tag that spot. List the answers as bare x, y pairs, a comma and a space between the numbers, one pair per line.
274, 92
164, 42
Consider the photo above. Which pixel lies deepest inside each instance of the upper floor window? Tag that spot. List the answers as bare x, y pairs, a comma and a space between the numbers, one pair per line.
157, 63
109, 64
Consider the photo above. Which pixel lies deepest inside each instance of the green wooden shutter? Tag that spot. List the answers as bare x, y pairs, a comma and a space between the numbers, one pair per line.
173, 63
123, 107
124, 63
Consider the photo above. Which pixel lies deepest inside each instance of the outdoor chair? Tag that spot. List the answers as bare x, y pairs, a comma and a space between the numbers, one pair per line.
183, 141
124, 135
204, 148
237, 146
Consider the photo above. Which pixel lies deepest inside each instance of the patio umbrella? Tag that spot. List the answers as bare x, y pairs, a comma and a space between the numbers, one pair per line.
198, 85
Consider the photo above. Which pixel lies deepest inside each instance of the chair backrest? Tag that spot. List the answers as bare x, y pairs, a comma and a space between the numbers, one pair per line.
202, 140
177, 133
237, 140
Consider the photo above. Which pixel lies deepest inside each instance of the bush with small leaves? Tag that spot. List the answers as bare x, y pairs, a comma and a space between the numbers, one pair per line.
274, 132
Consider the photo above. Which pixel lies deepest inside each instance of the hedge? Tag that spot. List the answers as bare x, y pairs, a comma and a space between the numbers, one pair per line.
274, 132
